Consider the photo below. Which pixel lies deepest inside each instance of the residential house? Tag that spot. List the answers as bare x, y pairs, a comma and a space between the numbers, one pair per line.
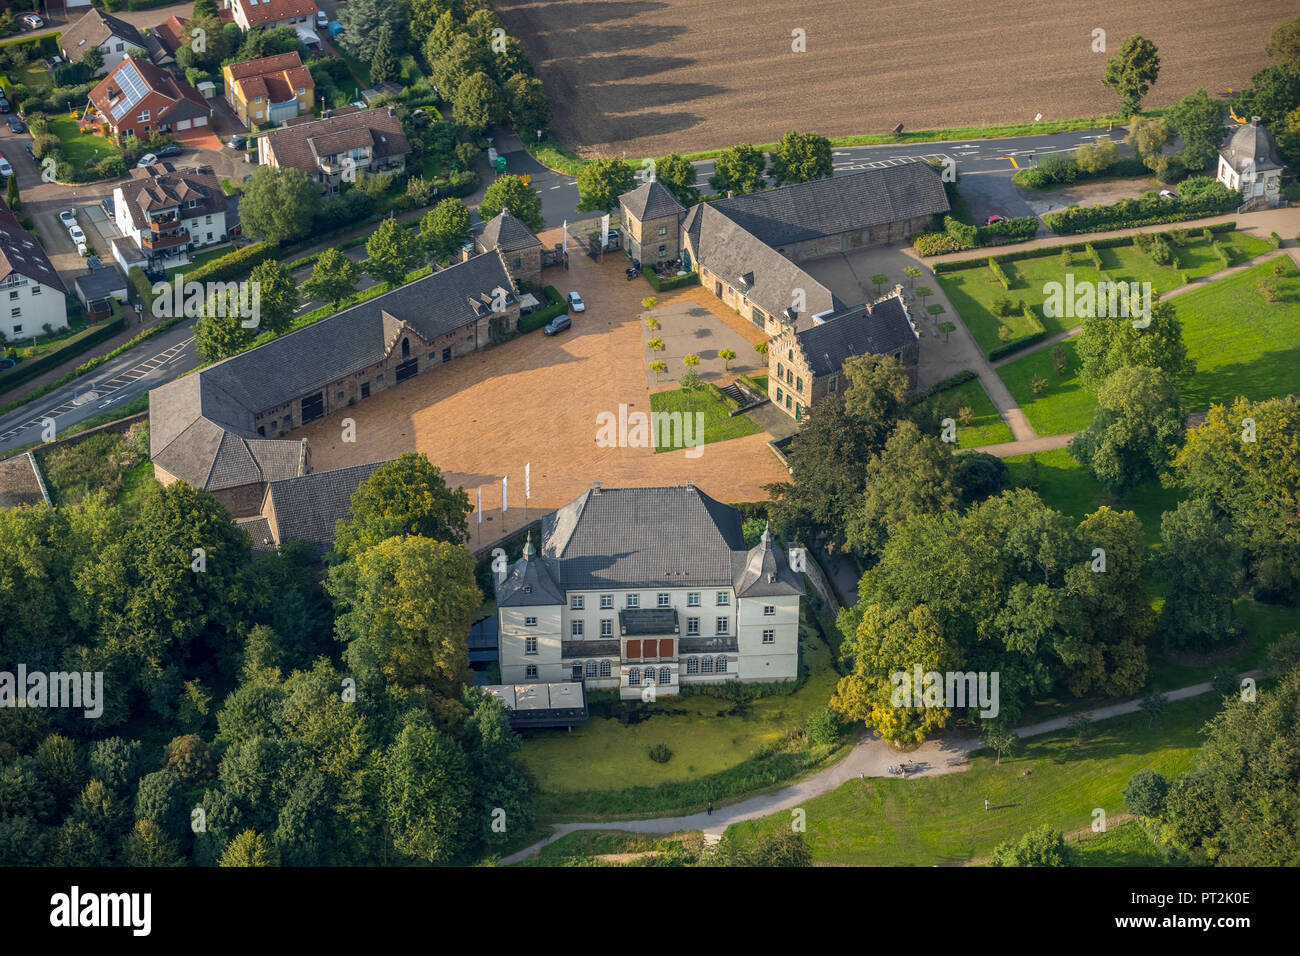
521, 250
299, 15
645, 590
169, 212
1249, 161
172, 34
33, 299
114, 39
223, 428
138, 99
272, 89
806, 364
339, 145
652, 220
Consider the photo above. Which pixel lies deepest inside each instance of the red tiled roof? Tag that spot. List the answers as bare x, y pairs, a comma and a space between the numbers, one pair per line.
166, 92
171, 33
269, 11
278, 77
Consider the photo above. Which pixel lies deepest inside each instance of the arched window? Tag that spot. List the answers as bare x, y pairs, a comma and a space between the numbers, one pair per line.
604, 668
406, 348
665, 675
634, 677
649, 675
722, 665
591, 668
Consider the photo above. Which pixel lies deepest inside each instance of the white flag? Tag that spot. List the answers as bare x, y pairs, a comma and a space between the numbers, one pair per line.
604, 230
480, 506
566, 237
528, 492
504, 506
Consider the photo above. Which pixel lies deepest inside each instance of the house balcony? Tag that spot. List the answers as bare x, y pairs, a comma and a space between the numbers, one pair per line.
160, 243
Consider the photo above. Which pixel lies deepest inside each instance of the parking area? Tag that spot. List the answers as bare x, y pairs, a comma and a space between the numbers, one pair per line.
535, 400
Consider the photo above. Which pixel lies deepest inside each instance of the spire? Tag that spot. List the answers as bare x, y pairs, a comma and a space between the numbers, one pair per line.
767, 533
529, 551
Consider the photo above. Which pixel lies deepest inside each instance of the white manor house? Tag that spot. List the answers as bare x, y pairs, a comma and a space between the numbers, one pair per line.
633, 587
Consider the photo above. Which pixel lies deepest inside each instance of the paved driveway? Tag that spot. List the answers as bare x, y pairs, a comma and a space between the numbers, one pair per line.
688, 328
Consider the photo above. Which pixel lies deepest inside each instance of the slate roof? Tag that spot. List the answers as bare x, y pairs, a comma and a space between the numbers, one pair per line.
639, 622
308, 507
1251, 145
882, 327
641, 537
22, 253
294, 145
828, 207
92, 30
728, 250
529, 582
259, 530
163, 186
213, 457
765, 572
507, 233
651, 200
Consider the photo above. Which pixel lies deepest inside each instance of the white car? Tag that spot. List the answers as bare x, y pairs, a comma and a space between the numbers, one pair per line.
148, 159
5, 169
77, 235
322, 18
33, 22
68, 218
575, 302
1166, 194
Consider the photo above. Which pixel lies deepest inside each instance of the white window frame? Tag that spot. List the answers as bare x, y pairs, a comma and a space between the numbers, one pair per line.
723, 599
606, 602
530, 622
692, 626
530, 645
769, 636
769, 610
723, 626
634, 600
664, 599
693, 599
576, 602
575, 630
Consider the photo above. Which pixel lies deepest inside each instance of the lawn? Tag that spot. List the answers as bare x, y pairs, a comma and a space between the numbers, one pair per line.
197, 259
79, 147
1242, 345
590, 769
717, 425
938, 820
972, 291
1065, 405
986, 427
1127, 844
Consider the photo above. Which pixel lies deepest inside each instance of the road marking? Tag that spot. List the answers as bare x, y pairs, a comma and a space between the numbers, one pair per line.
1013, 162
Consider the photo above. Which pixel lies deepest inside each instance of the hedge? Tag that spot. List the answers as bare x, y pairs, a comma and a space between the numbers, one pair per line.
1275, 240
952, 381
666, 285
935, 244
143, 288
749, 382
536, 319
232, 265
1004, 350
73, 345
996, 268
1147, 211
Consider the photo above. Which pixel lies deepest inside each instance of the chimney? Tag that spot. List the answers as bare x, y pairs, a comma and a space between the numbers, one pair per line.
690, 482
1254, 121
595, 487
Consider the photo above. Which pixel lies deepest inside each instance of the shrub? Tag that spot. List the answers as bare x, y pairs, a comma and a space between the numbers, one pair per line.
1275, 240
664, 285
1002, 306
660, 753
1148, 210
824, 726
1038, 384
74, 344
964, 234
1020, 229
1222, 254
233, 265
996, 268
935, 244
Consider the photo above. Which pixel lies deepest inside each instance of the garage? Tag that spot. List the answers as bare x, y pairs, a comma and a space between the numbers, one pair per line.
183, 125
408, 370
313, 407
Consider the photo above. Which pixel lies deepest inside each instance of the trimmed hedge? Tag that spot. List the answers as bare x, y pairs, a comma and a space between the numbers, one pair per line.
935, 244
1150, 210
952, 381
232, 265
1275, 240
536, 319
666, 285
996, 268
1012, 347
75, 344
1020, 229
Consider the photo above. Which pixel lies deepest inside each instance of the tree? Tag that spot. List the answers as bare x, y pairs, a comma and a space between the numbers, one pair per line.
878, 280
913, 273
923, 293
1144, 796
658, 366
11, 192
946, 328
999, 738
1148, 136
219, 330
601, 182
1039, 847
511, 192
727, 355
527, 105
979, 475
408, 496
1198, 121
775, 847
690, 360
250, 849
677, 175
278, 203
366, 22
1096, 157
501, 789
877, 388
738, 169
1274, 91
427, 795
333, 278
1246, 461
277, 296
216, 46
160, 800
801, 157
449, 67
383, 64
1284, 43
445, 229
1107, 344
911, 475
406, 607
655, 344
149, 845
391, 252
1131, 72
1200, 559
478, 103
1153, 706
1138, 425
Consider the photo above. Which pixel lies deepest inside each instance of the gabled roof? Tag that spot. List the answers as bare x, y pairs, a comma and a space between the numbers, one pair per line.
163, 186
297, 145
765, 572
22, 254
171, 33
1251, 146
728, 250
92, 30
278, 77
828, 207
507, 233
269, 11
308, 507
882, 327
118, 95
651, 200
210, 456
641, 537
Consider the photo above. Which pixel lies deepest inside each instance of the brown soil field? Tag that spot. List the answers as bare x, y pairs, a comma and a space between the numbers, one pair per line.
656, 76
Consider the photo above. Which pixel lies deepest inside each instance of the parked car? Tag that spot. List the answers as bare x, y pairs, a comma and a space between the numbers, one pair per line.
15, 124
107, 203
5, 169
171, 149
33, 22
576, 303
77, 235
335, 28
322, 18
94, 262
1167, 194
558, 324
5, 106
992, 219
148, 159
68, 218
237, 141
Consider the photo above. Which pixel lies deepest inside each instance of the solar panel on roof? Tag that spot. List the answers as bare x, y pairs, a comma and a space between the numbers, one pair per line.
133, 89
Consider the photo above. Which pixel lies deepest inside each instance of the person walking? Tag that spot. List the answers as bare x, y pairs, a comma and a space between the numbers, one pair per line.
710, 810
986, 803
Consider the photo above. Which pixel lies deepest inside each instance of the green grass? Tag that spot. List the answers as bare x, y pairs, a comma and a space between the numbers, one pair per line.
1242, 345
1065, 406
718, 425
36, 78
987, 428
1127, 844
972, 291
938, 820
198, 259
77, 146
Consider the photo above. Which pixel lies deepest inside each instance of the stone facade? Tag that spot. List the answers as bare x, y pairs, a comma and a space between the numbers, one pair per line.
652, 241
